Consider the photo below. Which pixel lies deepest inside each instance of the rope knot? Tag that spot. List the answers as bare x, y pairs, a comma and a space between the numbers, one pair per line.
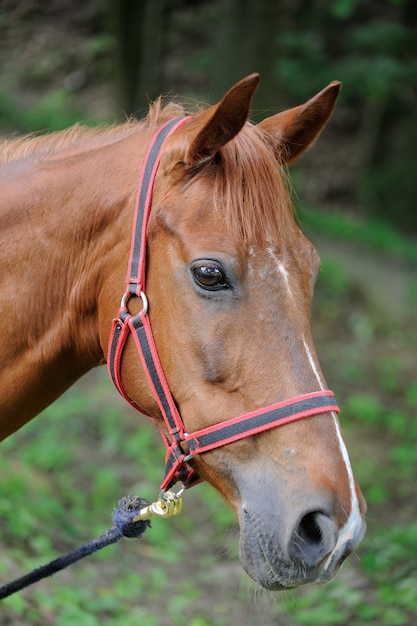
128, 508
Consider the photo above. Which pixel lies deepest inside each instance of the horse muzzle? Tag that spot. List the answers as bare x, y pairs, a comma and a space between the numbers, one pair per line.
278, 554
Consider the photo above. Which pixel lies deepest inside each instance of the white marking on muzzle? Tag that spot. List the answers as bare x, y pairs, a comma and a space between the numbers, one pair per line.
354, 521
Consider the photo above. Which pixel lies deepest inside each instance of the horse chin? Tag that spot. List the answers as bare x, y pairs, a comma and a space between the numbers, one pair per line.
259, 569
284, 576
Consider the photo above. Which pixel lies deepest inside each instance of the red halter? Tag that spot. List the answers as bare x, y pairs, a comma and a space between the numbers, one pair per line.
220, 434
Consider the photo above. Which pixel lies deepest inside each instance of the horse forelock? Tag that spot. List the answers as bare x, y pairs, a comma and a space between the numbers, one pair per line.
249, 188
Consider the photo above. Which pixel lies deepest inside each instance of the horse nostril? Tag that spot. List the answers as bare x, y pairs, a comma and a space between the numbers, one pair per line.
313, 539
309, 530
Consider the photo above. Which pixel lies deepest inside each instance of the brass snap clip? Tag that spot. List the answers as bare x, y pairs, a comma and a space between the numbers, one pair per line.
167, 505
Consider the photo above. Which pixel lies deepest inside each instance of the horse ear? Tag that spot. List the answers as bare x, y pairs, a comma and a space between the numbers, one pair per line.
296, 129
221, 122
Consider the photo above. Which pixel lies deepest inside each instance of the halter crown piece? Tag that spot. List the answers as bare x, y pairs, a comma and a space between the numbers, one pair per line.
220, 434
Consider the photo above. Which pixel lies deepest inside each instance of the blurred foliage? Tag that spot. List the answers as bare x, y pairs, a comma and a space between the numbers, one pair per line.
371, 47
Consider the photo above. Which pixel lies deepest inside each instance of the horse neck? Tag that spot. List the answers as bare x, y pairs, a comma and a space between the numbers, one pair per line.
64, 238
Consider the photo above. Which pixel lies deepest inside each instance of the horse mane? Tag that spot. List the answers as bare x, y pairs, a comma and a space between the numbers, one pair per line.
249, 184
80, 137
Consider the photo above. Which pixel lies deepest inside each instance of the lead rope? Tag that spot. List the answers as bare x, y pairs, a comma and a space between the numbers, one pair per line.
130, 519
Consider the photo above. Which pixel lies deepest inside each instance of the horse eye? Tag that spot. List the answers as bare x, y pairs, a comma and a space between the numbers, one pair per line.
209, 275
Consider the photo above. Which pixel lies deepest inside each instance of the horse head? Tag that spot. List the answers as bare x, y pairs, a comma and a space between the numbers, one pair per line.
230, 280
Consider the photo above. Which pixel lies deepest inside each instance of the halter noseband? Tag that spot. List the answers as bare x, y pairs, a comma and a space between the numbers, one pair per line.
228, 431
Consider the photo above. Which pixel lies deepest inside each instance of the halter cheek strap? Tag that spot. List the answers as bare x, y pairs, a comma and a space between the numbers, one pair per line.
138, 326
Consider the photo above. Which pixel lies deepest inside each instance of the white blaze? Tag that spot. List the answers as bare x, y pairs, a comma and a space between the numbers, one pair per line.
354, 520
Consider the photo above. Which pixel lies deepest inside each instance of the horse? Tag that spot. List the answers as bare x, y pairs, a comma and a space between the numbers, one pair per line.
226, 310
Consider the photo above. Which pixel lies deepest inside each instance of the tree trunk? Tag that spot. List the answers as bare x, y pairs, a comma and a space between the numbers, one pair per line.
138, 26
248, 41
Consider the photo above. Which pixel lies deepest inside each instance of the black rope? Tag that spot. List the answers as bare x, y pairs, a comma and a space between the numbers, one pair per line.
123, 526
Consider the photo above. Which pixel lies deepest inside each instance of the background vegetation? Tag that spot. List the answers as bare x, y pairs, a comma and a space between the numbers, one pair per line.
60, 476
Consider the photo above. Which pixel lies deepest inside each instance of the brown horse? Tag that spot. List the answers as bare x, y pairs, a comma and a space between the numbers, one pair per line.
229, 280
